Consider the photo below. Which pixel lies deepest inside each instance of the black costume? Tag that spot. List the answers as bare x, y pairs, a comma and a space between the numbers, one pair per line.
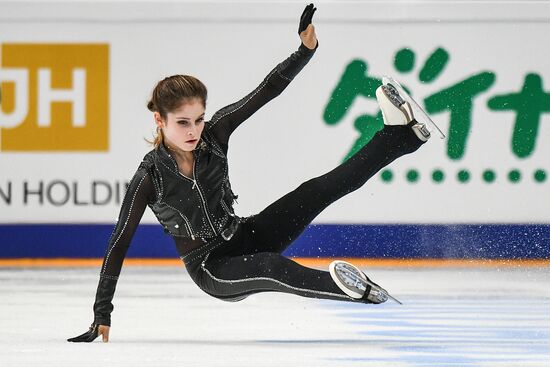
230, 257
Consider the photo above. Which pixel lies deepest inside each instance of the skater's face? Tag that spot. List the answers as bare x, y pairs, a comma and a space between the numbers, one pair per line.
183, 126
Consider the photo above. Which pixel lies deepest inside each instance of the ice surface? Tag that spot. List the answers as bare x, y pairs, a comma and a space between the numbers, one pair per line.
450, 317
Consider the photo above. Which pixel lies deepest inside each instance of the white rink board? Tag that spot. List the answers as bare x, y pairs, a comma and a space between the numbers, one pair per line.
231, 47
450, 317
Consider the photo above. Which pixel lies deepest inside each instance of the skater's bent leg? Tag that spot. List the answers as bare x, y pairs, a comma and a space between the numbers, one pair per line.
278, 225
231, 277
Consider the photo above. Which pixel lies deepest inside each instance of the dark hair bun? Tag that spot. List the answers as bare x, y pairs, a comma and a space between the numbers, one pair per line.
171, 92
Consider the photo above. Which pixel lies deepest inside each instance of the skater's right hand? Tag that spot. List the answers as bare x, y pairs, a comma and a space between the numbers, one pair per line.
93, 332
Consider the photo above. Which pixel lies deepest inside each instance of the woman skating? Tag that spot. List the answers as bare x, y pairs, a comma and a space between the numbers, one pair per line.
184, 180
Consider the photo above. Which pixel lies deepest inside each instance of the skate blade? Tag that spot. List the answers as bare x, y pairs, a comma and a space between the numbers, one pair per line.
419, 114
395, 299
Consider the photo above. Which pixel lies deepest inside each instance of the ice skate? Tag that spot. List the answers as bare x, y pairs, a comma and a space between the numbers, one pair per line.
356, 284
399, 97
397, 111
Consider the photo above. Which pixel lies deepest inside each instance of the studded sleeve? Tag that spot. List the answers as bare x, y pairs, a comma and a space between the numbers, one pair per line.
138, 194
227, 119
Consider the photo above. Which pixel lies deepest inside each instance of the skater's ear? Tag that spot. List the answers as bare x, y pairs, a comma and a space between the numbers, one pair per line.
158, 120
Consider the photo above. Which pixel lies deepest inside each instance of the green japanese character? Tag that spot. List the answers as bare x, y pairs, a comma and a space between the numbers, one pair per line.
529, 104
354, 83
458, 100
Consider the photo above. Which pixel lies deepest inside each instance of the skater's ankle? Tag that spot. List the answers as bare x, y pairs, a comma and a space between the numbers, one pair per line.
400, 139
420, 130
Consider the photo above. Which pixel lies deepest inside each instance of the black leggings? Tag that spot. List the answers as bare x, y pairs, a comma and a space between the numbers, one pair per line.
251, 261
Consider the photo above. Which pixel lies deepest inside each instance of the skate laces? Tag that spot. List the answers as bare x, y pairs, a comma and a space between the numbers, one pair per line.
393, 95
351, 277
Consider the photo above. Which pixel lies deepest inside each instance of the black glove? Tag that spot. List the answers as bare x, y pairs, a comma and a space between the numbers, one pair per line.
88, 336
305, 19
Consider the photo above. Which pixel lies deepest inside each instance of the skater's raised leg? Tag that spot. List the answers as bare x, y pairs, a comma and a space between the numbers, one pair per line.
278, 225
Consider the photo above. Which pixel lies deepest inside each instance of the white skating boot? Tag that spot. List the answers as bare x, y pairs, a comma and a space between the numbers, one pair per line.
356, 284
397, 111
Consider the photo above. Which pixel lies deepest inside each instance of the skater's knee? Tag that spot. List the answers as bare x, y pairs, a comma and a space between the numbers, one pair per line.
269, 261
315, 187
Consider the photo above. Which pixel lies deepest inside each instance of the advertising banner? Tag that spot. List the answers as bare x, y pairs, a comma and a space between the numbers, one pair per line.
73, 116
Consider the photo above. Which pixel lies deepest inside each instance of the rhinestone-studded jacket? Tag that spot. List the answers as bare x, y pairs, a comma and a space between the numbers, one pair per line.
197, 208
202, 206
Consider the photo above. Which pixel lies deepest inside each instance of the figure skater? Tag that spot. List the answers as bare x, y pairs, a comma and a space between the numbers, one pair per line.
184, 180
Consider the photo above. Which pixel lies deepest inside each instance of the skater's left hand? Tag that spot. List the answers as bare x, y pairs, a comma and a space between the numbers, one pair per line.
93, 332
306, 30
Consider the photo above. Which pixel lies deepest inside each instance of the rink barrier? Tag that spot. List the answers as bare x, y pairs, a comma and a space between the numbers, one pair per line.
368, 241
